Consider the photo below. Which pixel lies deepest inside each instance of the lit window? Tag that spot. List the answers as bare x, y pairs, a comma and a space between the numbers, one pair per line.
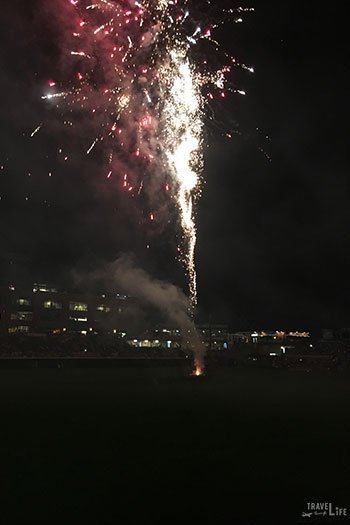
78, 319
18, 329
103, 308
23, 302
22, 316
78, 307
52, 305
44, 288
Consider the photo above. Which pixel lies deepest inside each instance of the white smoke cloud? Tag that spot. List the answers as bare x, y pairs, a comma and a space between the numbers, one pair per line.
166, 297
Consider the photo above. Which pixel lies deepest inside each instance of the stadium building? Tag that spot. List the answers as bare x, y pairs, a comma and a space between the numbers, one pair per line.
44, 309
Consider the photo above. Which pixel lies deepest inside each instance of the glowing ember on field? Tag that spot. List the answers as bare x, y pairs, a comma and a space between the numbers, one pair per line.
198, 371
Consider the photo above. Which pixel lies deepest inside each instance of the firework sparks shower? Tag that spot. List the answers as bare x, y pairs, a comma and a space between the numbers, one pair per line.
182, 114
145, 73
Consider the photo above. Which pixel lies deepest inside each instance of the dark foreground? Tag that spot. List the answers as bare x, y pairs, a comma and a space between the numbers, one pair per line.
148, 445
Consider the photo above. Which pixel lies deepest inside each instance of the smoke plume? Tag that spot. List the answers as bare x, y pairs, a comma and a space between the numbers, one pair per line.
166, 297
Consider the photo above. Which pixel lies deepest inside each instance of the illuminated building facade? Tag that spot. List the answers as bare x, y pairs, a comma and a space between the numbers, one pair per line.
214, 337
44, 309
262, 337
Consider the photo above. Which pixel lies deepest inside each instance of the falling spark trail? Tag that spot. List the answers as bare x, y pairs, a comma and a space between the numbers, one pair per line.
92, 147
53, 95
36, 130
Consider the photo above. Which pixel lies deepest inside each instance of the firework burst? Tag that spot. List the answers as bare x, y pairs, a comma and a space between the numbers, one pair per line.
142, 73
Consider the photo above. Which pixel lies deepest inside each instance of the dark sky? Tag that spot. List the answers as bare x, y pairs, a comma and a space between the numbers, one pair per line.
273, 237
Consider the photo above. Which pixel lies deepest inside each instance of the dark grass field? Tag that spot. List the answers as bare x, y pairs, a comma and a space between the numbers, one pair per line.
148, 445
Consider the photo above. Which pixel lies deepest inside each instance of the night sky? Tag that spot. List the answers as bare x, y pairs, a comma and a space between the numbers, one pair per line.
273, 237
